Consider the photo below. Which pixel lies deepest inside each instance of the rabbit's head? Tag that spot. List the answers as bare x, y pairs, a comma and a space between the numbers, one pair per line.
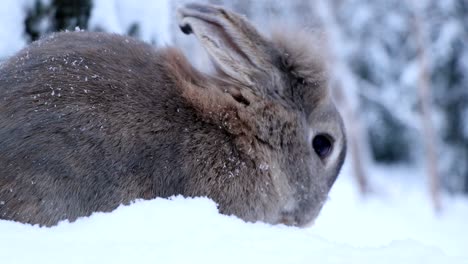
271, 95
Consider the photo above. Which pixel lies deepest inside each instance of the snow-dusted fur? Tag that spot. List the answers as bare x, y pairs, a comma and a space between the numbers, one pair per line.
89, 121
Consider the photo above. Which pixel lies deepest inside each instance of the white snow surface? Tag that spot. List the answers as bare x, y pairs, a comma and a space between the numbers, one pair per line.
397, 226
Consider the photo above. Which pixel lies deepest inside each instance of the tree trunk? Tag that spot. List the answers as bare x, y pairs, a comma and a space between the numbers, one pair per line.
425, 98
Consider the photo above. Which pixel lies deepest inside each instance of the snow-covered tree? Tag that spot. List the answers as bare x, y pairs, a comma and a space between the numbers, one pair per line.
382, 51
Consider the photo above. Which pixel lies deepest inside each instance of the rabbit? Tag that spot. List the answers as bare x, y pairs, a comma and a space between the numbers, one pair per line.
90, 121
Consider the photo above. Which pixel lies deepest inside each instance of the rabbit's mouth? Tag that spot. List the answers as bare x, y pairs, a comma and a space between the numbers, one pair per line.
289, 219
294, 219
299, 218
304, 213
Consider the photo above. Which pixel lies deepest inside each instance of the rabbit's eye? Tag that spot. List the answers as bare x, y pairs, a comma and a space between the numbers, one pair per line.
301, 80
323, 145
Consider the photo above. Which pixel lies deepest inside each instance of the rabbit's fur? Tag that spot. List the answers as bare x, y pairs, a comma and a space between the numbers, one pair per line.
89, 121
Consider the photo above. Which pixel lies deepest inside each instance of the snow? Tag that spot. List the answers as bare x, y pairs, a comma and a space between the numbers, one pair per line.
394, 225
398, 210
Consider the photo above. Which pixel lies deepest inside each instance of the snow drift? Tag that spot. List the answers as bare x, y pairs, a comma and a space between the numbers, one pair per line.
395, 229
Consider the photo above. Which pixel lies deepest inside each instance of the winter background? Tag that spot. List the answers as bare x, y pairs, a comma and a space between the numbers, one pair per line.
400, 78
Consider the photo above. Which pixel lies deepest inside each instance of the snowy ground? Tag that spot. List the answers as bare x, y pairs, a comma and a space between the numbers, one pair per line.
397, 226
399, 211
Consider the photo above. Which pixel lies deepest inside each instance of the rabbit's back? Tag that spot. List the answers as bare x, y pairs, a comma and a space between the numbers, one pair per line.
77, 115
66, 65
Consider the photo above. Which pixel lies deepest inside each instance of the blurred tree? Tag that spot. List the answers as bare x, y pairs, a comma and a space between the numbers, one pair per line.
378, 49
382, 51
449, 33
37, 20
51, 16
134, 30
69, 14
426, 104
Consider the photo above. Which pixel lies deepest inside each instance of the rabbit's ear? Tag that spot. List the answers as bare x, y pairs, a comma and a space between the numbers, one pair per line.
235, 46
224, 109
224, 106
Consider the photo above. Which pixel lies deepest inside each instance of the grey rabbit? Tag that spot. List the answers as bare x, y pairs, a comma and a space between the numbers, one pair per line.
89, 121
